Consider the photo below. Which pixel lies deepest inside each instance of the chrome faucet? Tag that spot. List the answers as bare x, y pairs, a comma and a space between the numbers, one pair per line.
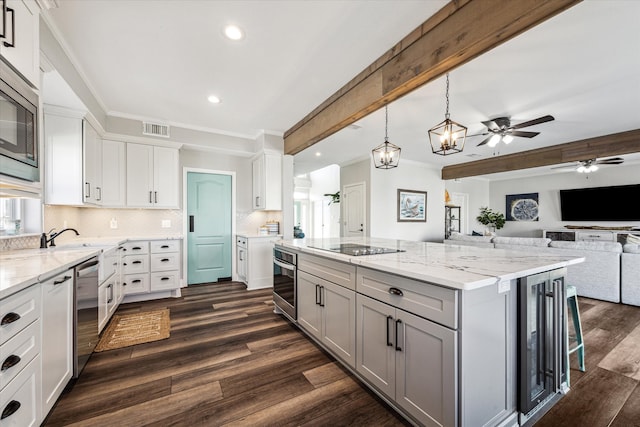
52, 235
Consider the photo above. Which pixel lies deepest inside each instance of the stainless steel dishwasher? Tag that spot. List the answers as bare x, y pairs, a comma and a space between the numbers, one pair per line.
85, 321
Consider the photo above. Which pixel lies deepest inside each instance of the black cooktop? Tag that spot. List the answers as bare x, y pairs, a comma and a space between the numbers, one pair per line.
358, 250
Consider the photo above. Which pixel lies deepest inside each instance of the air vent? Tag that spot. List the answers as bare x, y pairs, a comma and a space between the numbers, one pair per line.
155, 129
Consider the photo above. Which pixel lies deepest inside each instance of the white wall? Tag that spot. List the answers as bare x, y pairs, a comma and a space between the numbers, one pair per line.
325, 217
384, 194
478, 191
548, 188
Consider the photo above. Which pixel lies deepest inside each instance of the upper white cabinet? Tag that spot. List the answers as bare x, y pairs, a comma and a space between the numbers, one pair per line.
21, 32
74, 161
152, 176
267, 182
114, 184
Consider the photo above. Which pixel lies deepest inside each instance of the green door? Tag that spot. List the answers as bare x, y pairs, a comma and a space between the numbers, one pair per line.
208, 227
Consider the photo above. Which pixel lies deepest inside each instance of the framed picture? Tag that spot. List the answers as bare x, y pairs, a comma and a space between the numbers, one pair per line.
522, 207
412, 206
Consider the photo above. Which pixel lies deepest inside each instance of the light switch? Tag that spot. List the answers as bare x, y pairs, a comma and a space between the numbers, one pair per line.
113, 223
166, 223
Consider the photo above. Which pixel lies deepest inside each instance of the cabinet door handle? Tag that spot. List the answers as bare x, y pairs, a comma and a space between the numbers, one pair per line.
165, 278
87, 187
398, 323
389, 343
9, 318
136, 281
13, 28
240, 255
136, 262
155, 195
64, 279
395, 291
136, 248
150, 195
191, 223
4, 19
164, 247
10, 409
10, 362
321, 296
100, 193
164, 260
257, 201
317, 295
110, 287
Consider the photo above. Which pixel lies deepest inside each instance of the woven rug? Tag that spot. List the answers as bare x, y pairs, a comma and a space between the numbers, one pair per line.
130, 329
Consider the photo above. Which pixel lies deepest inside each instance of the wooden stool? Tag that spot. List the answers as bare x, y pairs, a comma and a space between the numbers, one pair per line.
572, 307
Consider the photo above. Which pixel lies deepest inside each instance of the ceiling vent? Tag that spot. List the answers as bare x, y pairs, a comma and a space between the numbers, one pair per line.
155, 129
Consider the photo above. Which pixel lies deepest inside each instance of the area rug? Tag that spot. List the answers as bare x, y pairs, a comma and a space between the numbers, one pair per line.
130, 329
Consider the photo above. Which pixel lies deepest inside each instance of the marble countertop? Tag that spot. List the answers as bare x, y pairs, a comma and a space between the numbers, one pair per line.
453, 266
22, 268
259, 236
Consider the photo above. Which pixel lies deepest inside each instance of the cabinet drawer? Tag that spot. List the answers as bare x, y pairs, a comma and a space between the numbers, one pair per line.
108, 264
135, 264
136, 283
161, 246
135, 248
18, 352
592, 235
165, 262
23, 396
165, 280
18, 310
241, 241
333, 271
420, 298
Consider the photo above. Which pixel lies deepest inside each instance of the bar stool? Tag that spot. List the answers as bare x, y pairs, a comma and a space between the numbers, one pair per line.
572, 306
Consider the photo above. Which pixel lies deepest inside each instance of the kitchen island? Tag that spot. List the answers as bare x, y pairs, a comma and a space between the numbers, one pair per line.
440, 332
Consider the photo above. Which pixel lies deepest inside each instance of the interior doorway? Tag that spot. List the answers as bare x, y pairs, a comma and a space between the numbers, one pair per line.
354, 201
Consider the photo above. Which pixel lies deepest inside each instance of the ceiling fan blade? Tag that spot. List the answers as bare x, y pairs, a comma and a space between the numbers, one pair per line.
485, 141
524, 134
537, 121
611, 161
490, 124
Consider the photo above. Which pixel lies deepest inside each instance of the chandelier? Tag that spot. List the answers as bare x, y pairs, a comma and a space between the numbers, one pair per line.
386, 155
448, 136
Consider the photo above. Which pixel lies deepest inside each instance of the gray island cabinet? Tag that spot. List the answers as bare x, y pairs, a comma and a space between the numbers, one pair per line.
437, 341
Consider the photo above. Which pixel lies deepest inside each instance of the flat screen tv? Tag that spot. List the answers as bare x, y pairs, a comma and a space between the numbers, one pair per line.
618, 203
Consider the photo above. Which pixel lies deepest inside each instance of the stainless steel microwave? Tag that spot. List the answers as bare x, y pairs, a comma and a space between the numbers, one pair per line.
19, 155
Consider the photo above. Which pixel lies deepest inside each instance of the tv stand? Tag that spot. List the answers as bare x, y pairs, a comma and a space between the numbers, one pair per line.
589, 234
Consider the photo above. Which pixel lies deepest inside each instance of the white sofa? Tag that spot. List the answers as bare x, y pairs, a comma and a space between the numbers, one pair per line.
630, 274
599, 276
466, 240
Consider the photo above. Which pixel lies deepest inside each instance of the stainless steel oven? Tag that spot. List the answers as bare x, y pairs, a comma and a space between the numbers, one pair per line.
284, 282
18, 126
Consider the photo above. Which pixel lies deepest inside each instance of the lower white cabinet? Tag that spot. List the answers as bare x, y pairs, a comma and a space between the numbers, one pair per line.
151, 266
57, 336
20, 401
410, 359
241, 258
108, 294
327, 312
254, 260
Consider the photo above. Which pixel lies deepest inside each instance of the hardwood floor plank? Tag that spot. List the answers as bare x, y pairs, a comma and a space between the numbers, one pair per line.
625, 357
157, 410
629, 415
325, 374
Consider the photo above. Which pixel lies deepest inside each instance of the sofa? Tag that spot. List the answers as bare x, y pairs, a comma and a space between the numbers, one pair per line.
630, 274
601, 276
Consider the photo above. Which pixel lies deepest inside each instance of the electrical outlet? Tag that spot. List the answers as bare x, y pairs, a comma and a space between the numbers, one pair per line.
113, 223
64, 224
166, 223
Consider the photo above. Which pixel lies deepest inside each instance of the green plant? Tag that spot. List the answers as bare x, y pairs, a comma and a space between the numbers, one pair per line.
489, 217
335, 197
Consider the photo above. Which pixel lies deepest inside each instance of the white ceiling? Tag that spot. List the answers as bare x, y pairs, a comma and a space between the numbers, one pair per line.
160, 60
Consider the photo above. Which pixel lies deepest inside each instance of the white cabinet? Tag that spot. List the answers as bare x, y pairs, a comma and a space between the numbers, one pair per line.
20, 347
410, 359
254, 258
24, 36
267, 182
152, 176
114, 184
241, 258
327, 312
73, 159
57, 337
151, 266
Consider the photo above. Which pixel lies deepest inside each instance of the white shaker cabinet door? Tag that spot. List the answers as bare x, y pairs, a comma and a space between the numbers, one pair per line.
139, 175
165, 177
114, 165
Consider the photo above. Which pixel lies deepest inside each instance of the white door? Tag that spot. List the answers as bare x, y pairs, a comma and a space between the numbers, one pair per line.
462, 200
354, 201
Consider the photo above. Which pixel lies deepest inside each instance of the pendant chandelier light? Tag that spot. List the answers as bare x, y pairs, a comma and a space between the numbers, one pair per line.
386, 155
448, 136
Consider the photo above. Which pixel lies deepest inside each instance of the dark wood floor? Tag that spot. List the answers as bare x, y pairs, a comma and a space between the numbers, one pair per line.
231, 361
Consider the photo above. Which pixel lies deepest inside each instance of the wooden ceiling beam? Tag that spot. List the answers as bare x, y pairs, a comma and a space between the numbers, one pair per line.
459, 32
615, 144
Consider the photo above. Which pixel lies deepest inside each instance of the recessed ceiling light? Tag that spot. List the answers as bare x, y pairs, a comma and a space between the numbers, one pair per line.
233, 32
318, 154
214, 99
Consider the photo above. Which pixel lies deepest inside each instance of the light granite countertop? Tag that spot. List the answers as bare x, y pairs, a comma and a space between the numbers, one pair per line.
453, 266
22, 268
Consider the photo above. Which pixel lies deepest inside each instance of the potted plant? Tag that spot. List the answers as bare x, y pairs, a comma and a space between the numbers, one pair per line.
335, 197
491, 219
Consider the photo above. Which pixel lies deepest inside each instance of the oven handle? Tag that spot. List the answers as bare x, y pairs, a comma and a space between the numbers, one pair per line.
283, 265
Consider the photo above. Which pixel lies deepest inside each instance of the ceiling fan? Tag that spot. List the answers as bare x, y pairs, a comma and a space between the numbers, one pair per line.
591, 165
501, 129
